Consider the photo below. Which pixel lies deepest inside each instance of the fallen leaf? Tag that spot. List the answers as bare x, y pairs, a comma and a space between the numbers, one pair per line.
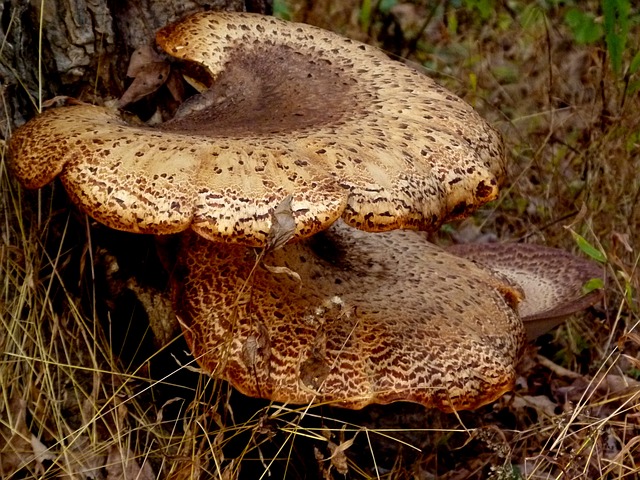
541, 403
338, 458
151, 78
285, 270
82, 461
283, 225
61, 101
125, 466
149, 72
257, 346
17, 443
141, 57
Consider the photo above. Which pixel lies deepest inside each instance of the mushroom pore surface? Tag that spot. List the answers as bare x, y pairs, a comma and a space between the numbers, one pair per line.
365, 318
551, 279
292, 110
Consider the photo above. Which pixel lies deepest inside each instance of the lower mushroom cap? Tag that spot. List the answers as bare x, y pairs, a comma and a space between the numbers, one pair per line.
372, 318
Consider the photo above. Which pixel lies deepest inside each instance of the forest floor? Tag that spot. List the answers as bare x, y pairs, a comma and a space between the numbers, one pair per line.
561, 84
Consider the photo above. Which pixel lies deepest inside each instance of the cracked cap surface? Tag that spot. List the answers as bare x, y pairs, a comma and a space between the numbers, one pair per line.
350, 318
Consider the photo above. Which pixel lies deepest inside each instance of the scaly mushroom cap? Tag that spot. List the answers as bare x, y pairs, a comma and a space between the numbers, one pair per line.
551, 280
292, 110
349, 318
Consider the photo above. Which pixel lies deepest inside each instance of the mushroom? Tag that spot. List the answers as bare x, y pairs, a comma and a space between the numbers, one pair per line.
301, 136
551, 280
349, 318
291, 110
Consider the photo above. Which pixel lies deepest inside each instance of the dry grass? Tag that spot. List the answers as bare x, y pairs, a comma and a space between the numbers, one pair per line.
82, 397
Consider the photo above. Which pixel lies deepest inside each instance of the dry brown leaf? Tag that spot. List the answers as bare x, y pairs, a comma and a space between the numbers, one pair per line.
125, 466
285, 270
230, 472
620, 384
602, 385
152, 77
18, 447
283, 225
257, 346
186, 469
622, 239
141, 57
188, 366
338, 458
61, 101
149, 72
319, 456
540, 403
82, 461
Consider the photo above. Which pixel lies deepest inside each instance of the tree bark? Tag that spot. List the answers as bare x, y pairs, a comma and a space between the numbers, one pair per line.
80, 48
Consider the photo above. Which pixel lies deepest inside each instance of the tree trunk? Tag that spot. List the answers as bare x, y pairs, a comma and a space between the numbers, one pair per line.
80, 48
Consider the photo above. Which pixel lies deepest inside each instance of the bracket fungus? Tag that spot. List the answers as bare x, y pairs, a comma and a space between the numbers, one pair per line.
343, 137
291, 110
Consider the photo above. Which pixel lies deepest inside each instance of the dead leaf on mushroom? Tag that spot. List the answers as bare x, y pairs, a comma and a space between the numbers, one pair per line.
283, 225
283, 228
149, 72
280, 270
315, 369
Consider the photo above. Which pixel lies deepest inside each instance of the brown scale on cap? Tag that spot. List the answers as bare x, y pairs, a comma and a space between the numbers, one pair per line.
372, 318
292, 110
551, 280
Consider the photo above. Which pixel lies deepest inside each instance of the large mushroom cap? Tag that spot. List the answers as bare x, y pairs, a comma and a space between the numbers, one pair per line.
552, 280
292, 110
350, 318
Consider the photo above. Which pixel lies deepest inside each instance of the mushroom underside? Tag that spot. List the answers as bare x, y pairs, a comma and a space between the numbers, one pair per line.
349, 318
551, 280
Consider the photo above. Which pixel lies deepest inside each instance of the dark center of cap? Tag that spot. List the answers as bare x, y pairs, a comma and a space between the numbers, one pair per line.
269, 89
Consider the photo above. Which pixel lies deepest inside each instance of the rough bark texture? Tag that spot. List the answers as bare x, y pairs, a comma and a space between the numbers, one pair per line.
80, 48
